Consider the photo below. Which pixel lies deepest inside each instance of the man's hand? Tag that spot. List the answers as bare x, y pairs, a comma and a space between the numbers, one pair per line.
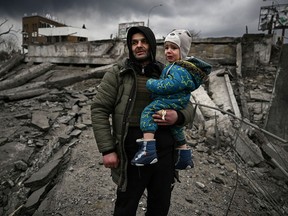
170, 117
111, 160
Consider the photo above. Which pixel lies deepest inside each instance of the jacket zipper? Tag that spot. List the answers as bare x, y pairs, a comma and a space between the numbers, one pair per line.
127, 109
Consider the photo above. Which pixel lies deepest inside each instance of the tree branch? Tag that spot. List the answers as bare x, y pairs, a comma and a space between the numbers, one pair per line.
8, 31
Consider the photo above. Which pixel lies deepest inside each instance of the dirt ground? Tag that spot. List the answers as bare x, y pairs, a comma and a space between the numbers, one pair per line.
219, 184
216, 186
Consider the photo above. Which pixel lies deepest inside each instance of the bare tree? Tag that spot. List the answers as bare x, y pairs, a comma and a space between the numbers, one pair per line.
10, 43
7, 31
8, 40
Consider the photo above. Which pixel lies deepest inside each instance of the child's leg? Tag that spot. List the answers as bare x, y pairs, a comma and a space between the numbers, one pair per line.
182, 146
146, 153
184, 159
147, 145
147, 150
184, 153
148, 135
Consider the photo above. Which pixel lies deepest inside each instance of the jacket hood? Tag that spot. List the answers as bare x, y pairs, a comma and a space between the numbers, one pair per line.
198, 68
150, 37
202, 65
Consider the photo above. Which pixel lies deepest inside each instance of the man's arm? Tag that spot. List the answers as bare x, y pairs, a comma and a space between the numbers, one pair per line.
101, 109
111, 160
188, 114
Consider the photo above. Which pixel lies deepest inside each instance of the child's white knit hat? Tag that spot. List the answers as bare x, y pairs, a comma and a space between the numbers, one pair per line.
182, 38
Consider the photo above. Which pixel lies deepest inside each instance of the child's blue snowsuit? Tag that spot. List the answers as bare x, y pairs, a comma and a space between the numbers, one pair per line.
172, 91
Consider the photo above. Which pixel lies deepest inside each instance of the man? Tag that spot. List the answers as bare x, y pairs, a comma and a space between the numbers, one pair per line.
123, 94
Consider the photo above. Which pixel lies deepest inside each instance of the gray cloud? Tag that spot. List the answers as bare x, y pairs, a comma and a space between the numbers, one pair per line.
209, 17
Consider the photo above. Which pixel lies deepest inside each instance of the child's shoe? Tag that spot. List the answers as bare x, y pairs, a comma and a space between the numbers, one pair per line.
184, 160
146, 154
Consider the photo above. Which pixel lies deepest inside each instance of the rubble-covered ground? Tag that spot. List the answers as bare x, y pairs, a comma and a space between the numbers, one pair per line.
50, 164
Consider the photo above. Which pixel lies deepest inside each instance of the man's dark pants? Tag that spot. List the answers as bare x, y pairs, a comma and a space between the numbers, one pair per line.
157, 178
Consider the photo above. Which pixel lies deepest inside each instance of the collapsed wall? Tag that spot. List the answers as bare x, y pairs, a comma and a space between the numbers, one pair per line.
70, 116
277, 120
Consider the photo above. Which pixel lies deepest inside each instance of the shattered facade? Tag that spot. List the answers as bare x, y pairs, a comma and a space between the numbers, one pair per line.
43, 116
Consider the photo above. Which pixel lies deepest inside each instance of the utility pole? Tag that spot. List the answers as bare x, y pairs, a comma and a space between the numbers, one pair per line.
150, 12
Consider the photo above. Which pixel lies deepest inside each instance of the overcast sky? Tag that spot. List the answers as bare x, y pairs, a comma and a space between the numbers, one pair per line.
212, 18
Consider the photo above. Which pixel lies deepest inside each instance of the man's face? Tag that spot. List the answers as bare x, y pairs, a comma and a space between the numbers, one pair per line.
140, 47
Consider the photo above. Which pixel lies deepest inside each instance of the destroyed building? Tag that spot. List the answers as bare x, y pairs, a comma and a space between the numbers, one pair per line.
45, 98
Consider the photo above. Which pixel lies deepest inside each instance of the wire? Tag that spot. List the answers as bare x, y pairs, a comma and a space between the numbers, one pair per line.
254, 186
245, 121
237, 176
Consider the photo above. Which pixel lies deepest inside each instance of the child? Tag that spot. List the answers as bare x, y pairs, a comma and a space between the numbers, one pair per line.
171, 91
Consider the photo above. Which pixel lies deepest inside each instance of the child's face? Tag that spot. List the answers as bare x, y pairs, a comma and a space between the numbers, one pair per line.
172, 52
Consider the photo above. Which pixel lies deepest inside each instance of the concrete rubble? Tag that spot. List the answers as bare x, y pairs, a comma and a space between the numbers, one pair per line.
47, 117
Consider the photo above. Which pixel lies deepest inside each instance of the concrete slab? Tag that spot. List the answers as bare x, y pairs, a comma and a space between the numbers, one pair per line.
277, 121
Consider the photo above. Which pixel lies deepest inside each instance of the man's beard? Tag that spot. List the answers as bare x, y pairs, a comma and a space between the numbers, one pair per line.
142, 58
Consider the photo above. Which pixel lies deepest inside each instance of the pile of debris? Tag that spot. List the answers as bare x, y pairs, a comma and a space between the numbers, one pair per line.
42, 118
41, 121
